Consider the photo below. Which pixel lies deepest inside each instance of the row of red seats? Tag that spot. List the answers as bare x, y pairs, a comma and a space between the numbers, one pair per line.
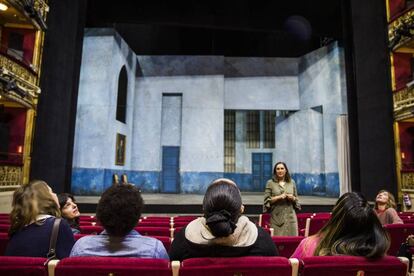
246, 266
286, 245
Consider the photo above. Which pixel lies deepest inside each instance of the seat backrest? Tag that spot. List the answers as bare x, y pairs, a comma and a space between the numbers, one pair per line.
264, 220
91, 229
181, 223
22, 266
398, 234
315, 224
166, 241
185, 218
98, 266
4, 239
4, 228
5, 221
351, 266
246, 266
152, 218
286, 245
87, 218
154, 223
154, 231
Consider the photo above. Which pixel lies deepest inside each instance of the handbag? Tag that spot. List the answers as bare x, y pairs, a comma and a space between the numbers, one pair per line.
51, 255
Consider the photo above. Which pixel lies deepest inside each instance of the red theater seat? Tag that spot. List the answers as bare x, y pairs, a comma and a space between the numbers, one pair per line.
398, 234
145, 223
181, 223
156, 218
87, 218
98, 266
185, 218
5, 221
351, 266
246, 266
4, 228
264, 220
314, 224
286, 245
22, 266
91, 229
155, 231
4, 239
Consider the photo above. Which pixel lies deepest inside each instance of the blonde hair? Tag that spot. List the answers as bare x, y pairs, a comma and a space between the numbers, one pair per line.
391, 200
29, 201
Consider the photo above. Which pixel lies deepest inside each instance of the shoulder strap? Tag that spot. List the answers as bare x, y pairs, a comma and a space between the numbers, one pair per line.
53, 238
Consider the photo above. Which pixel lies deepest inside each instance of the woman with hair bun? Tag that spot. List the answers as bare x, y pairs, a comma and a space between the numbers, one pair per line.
223, 231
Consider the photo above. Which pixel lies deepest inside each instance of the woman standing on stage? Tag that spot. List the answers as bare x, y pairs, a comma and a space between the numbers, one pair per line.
281, 200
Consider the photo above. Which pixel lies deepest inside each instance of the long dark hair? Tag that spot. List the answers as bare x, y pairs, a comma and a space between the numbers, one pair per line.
63, 198
287, 175
353, 229
222, 207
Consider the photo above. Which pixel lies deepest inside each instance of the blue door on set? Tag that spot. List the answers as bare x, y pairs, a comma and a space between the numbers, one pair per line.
261, 170
170, 169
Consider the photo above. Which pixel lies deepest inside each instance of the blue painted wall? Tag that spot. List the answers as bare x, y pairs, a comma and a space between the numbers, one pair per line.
95, 181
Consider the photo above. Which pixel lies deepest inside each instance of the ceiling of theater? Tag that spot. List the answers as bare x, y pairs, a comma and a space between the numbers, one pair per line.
230, 28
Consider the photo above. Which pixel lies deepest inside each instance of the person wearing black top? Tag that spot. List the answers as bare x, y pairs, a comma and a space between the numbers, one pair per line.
223, 231
35, 208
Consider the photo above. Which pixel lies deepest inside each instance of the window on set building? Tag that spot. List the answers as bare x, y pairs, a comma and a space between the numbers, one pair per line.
229, 141
121, 103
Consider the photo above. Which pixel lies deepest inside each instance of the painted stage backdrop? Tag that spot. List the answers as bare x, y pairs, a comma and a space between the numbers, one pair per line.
172, 124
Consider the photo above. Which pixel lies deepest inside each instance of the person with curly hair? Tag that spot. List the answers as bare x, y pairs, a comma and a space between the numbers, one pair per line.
223, 231
118, 211
353, 230
35, 208
385, 208
69, 210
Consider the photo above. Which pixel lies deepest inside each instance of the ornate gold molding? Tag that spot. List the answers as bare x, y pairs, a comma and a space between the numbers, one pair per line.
10, 176
401, 30
36, 11
404, 103
17, 70
407, 180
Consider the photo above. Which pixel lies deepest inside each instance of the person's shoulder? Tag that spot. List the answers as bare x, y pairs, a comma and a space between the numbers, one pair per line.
391, 210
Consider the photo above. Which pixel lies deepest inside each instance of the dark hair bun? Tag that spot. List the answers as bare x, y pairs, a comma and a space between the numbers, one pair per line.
220, 223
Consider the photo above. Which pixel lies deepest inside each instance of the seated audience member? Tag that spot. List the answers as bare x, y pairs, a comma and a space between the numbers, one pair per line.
353, 229
69, 211
385, 208
35, 208
223, 231
119, 210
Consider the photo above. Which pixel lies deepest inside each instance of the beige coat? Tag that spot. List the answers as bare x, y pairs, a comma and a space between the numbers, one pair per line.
283, 217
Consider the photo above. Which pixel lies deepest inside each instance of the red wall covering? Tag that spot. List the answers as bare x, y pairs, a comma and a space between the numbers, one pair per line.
403, 71
407, 145
17, 125
396, 6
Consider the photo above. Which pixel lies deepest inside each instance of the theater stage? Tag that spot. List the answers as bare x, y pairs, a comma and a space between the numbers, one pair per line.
192, 204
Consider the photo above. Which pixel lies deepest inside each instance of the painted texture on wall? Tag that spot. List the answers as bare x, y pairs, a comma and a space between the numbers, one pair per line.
309, 90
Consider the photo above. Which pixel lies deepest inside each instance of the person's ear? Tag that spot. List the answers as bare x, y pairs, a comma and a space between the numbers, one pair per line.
242, 209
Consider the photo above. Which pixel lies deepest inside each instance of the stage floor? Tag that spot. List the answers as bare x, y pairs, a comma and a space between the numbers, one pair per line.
187, 199
191, 203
